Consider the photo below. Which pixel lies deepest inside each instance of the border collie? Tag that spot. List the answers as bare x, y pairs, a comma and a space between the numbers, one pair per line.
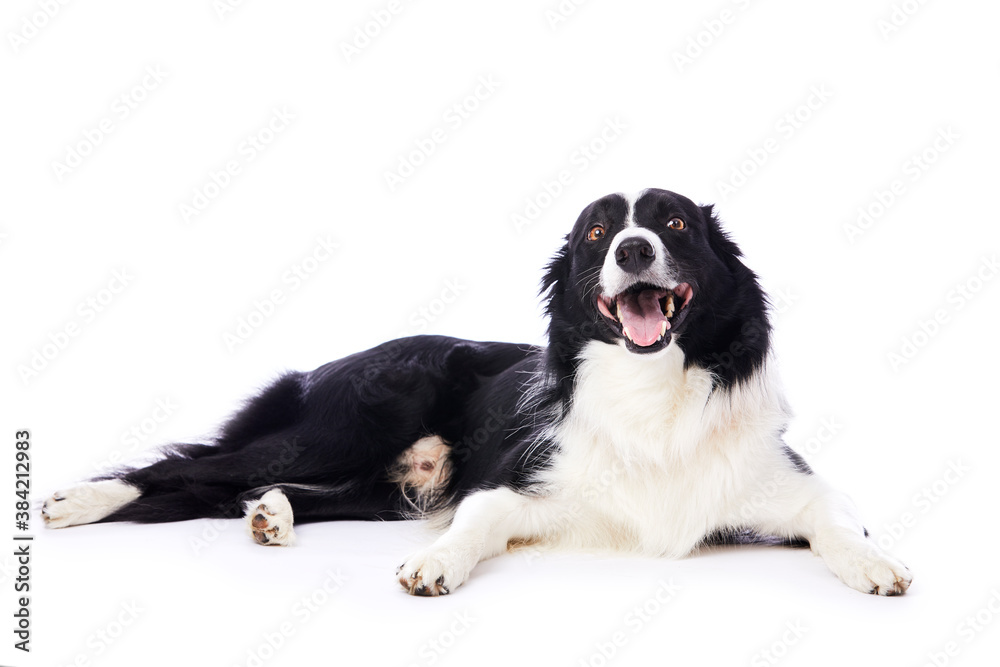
652, 423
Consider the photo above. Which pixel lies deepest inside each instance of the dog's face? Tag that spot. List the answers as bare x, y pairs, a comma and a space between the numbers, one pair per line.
647, 271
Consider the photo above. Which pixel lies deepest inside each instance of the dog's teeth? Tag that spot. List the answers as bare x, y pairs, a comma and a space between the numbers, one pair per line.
618, 311
663, 329
627, 334
670, 305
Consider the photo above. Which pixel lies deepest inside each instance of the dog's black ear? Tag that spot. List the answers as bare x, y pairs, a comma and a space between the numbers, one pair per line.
718, 239
556, 276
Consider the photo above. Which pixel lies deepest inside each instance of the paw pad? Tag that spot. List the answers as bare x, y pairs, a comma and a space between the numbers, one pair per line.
270, 523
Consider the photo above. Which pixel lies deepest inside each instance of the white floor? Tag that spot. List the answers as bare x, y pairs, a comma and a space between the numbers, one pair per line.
201, 592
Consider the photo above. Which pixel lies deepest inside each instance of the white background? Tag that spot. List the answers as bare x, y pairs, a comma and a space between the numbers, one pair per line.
883, 429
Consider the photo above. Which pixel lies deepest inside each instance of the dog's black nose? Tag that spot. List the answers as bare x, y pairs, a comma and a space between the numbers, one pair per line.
635, 255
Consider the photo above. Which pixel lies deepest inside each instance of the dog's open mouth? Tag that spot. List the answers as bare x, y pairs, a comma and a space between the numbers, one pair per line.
645, 313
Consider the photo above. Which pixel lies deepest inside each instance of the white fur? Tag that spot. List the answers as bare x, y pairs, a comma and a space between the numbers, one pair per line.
651, 460
87, 503
630, 201
422, 472
269, 520
615, 281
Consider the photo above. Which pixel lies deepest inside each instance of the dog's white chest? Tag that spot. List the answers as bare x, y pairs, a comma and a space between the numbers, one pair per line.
650, 459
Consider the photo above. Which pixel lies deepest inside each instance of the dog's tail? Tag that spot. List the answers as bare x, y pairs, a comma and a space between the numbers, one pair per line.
194, 481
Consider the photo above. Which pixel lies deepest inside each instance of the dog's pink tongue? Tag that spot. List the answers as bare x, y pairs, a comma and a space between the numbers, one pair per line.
642, 316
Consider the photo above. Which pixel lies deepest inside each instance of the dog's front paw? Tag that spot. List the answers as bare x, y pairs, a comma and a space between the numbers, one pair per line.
881, 574
863, 566
269, 520
434, 572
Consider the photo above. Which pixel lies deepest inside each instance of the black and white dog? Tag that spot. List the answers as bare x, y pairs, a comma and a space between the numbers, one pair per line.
652, 423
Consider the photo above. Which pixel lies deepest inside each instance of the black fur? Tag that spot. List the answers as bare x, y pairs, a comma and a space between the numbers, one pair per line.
798, 462
340, 428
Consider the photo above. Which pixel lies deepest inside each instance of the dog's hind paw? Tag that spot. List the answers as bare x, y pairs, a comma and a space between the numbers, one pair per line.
269, 520
87, 503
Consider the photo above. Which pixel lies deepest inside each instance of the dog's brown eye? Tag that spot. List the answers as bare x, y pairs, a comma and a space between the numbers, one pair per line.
596, 233
676, 223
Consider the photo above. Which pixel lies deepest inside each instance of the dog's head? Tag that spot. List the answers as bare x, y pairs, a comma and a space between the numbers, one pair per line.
651, 271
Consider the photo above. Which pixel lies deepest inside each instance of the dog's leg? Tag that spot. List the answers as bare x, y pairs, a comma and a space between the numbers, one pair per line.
483, 524
87, 502
808, 508
269, 519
